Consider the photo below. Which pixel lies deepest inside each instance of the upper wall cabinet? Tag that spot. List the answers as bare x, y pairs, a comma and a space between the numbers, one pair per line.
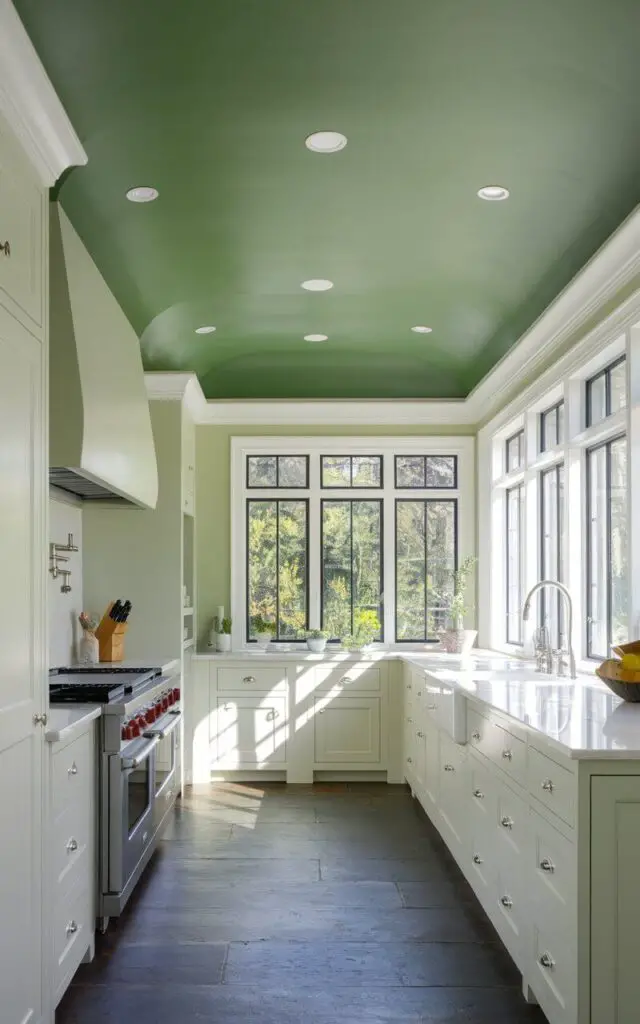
21, 235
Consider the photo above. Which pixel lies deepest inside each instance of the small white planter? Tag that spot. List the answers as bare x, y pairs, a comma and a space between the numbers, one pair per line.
224, 643
458, 641
317, 646
263, 640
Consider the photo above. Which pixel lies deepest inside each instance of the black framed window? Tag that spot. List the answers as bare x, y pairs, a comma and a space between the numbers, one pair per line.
351, 564
277, 471
277, 564
607, 547
552, 427
426, 556
551, 554
350, 471
513, 563
435, 472
606, 392
514, 451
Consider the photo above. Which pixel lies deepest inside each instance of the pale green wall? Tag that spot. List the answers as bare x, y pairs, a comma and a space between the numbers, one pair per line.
213, 510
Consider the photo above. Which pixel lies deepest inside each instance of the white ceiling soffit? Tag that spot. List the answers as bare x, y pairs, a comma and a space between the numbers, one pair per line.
30, 104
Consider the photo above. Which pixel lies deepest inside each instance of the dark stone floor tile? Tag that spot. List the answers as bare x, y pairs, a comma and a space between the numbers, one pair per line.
316, 964
155, 964
437, 893
209, 893
299, 924
390, 869
256, 1004
180, 859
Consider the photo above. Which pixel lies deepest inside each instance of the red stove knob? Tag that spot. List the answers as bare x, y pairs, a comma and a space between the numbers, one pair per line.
142, 723
134, 728
176, 693
165, 702
171, 698
123, 733
150, 715
158, 707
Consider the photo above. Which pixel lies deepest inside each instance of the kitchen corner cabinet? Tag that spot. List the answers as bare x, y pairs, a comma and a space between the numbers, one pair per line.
295, 720
548, 844
71, 841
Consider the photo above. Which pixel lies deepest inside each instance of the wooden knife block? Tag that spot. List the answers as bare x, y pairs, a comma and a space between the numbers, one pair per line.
110, 636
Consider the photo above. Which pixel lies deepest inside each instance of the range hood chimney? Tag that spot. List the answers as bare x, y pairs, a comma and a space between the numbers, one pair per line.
101, 444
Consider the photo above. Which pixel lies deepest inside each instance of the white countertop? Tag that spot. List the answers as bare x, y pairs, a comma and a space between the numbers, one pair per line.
66, 722
581, 717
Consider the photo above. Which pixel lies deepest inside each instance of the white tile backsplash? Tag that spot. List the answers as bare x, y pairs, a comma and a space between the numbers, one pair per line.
64, 628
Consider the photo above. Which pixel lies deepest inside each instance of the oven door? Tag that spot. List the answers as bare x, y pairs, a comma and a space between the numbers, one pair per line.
131, 804
167, 763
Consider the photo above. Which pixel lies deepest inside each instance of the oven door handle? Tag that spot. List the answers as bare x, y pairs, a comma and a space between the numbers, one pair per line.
128, 763
162, 734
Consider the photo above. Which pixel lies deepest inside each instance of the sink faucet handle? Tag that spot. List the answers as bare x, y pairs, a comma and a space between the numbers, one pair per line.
561, 664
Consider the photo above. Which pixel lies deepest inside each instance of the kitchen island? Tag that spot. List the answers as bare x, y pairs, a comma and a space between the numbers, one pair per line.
511, 766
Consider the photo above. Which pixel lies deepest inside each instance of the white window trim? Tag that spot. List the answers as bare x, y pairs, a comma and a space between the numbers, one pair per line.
461, 446
564, 380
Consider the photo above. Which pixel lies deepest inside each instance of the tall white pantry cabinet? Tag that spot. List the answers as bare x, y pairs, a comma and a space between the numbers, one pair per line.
37, 144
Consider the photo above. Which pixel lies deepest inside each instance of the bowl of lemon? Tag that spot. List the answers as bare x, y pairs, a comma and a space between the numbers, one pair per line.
622, 674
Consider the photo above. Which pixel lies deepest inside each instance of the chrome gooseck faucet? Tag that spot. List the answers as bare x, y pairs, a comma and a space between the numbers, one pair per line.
526, 609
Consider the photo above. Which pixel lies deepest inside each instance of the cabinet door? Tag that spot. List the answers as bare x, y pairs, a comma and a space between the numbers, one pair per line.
615, 899
249, 731
22, 205
22, 669
188, 465
432, 764
347, 730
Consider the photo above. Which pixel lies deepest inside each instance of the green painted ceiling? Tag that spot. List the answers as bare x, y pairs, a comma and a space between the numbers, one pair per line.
210, 101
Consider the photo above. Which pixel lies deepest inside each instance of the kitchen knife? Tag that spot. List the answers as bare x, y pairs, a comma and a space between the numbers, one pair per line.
126, 609
116, 608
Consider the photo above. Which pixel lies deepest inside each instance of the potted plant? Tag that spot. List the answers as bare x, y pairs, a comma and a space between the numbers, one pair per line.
224, 636
456, 639
263, 630
316, 639
366, 629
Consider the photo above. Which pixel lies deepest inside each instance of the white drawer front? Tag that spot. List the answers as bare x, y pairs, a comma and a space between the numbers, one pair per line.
483, 792
509, 911
480, 732
248, 731
71, 936
72, 769
511, 754
554, 863
347, 678
512, 821
71, 835
553, 973
252, 679
555, 786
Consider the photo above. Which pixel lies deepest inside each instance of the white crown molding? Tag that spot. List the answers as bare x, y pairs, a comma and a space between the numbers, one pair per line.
167, 386
613, 268
30, 104
389, 412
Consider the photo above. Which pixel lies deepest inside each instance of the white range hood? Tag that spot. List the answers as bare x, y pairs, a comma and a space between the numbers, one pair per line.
101, 443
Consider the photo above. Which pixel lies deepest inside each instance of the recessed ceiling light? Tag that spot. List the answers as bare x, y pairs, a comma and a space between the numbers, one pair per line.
317, 284
422, 330
316, 337
326, 142
205, 330
142, 194
493, 193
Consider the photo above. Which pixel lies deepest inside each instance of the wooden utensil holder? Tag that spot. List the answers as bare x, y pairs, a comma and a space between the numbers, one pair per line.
110, 636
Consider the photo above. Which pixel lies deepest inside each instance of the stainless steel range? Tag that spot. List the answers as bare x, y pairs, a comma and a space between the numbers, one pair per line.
139, 774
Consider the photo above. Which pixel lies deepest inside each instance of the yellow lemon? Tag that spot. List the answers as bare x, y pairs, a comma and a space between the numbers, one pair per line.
631, 662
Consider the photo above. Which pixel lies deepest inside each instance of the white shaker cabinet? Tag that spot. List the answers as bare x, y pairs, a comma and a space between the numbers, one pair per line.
71, 842
22, 556
615, 899
347, 730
